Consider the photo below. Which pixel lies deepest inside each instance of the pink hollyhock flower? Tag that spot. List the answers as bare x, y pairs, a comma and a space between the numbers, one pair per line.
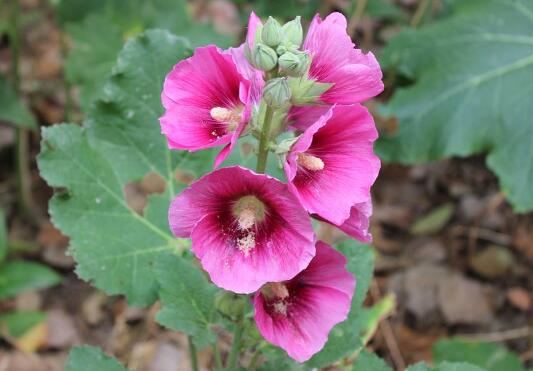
246, 228
358, 224
334, 59
297, 315
332, 166
207, 102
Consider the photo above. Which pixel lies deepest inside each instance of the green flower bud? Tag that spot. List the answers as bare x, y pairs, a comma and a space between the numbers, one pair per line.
264, 57
293, 64
229, 303
293, 32
271, 33
277, 92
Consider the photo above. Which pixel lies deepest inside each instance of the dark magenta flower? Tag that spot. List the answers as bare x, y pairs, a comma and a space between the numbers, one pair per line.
297, 315
246, 228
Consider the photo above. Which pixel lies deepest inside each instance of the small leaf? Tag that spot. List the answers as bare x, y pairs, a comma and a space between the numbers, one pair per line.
88, 358
367, 361
306, 91
492, 262
187, 298
433, 221
12, 110
19, 276
490, 356
26, 330
375, 314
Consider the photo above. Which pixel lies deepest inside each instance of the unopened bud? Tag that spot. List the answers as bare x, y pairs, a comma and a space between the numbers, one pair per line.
293, 32
277, 92
271, 33
264, 57
229, 303
293, 64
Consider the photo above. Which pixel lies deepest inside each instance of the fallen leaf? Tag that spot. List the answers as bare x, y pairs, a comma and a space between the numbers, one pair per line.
519, 298
433, 221
492, 262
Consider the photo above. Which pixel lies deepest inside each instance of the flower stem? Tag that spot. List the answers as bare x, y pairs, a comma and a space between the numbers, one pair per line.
236, 345
218, 359
262, 156
193, 355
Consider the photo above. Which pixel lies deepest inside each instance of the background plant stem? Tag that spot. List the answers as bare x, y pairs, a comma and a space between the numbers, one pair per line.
262, 156
236, 345
192, 354
22, 160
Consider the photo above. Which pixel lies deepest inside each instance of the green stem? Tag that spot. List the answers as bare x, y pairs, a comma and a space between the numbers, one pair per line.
419, 13
262, 156
218, 359
193, 355
236, 345
255, 359
22, 160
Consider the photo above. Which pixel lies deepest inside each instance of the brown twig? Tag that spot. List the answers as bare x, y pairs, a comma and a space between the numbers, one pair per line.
499, 336
388, 332
357, 14
484, 234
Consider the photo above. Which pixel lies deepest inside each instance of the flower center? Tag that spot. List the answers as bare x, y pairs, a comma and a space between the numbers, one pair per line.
231, 117
248, 210
276, 293
310, 162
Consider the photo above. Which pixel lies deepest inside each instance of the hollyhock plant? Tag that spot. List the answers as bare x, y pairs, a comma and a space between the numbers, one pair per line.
297, 315
207, 102
246, 228
356, 76
331, 166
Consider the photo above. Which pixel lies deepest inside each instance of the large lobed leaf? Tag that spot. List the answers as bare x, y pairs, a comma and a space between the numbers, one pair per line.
120, 141
473, 77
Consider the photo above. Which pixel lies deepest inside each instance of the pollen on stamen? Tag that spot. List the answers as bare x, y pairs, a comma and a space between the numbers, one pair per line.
220, 114
246, 218
310, 162
246, 243
280, 307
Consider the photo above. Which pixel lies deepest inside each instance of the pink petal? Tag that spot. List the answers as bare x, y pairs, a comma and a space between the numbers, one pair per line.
253, 22
343, 140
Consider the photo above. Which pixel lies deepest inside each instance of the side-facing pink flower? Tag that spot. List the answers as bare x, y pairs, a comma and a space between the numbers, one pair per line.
207, 102
332, 166
298, 315
334, 59
246, 228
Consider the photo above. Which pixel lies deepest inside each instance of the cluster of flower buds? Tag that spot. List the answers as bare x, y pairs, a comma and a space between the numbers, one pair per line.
253, 233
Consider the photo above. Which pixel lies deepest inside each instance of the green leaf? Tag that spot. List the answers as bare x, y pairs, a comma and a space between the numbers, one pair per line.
473, 75
490, 356
86, 358
368, 361
345, 337
19, 276
445, 366
3, 236
433, 221
12, 110
16, 324
187, 298
384, 9
120, 142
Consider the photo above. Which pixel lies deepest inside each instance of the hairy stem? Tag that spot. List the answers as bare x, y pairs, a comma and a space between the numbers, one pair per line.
262, 156
193, 355
236, 345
